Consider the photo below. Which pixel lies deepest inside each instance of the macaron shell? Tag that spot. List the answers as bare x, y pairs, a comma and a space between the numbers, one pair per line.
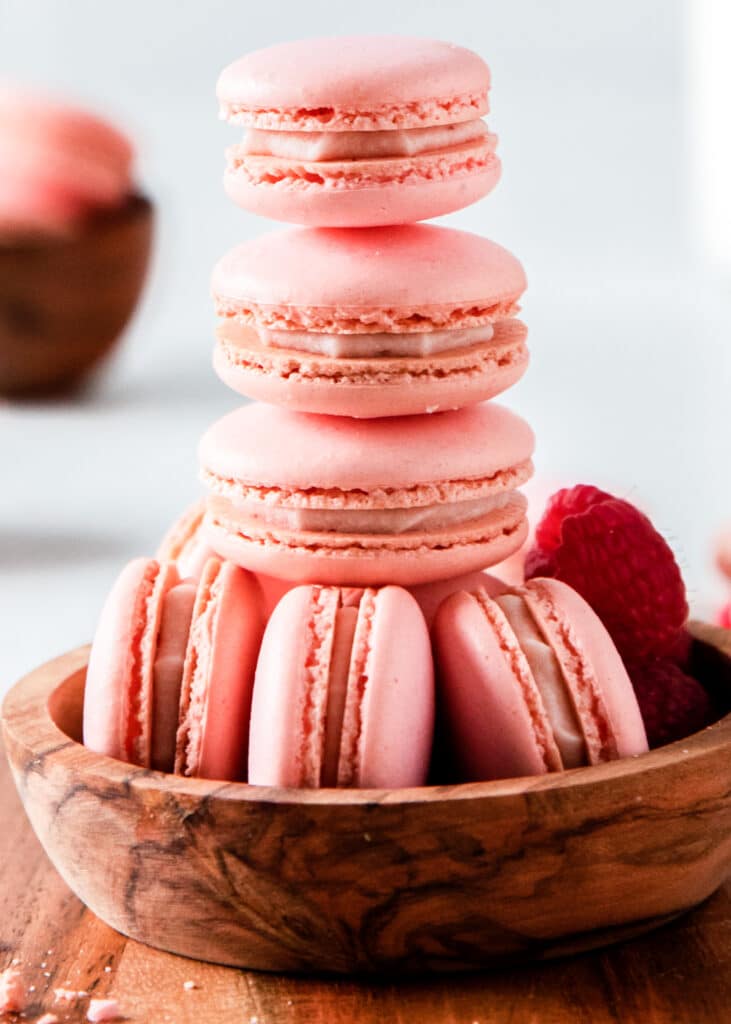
370, 204
119, 677
429, 596
265, 446
362, 560
383, 278
371, 387
57, 162
183, 543
218, 678
495, 720
353, 83
601, 690
388, 720
287, 734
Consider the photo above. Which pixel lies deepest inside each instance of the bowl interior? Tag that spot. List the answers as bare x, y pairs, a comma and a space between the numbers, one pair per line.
710, 663
66, 705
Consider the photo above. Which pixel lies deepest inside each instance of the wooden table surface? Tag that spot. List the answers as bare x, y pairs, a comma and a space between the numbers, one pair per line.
681, 973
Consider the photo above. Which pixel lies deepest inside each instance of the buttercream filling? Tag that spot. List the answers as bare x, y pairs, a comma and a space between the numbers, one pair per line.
546, 672
366, 521
369, 346
368, 145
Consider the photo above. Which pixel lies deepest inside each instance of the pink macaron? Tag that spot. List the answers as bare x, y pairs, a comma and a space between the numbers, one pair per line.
171, 669
531, 682
184, 544
344, 692
387, 321
405, 500
58, 164
358, 131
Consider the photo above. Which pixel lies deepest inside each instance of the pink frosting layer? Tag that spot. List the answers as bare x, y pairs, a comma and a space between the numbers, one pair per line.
408, 278
359, 346
375, 386
355, 83
365, 521
318, 146
455, 162
546, 671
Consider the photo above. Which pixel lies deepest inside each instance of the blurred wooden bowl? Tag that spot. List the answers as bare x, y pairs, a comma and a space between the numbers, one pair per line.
436, 878
64, 302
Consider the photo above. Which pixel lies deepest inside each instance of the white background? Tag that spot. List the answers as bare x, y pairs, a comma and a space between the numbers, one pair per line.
629, 382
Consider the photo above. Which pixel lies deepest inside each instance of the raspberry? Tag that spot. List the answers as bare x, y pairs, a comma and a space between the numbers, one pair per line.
610, 552
724, 616
673, 704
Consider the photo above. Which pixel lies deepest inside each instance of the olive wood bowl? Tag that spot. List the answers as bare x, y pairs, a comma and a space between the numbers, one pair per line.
430, 879
65, 301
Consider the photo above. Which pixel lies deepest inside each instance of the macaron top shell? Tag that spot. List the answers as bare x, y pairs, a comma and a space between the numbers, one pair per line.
264, 446
404, 278
57, 162
355, 83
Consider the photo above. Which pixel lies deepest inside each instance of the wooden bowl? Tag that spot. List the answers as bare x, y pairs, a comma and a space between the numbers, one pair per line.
436, 878
64, 302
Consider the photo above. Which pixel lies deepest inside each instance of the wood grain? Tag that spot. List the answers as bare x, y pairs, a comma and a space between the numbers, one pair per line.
440, 878
64, 302
680, 974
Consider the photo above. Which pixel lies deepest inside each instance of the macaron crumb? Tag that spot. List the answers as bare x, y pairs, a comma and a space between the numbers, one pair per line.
48, 1018
189, 986
67, 995
103, 1009
12, 991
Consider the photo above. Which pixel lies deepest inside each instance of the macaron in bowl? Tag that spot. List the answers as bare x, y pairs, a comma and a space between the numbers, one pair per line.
344, 691
75, 238
335, 500
358, 131
171, 669
530, 682
388, 321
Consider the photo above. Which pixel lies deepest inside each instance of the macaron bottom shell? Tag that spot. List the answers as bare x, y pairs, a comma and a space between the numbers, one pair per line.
370, 388
359, 560
317, 205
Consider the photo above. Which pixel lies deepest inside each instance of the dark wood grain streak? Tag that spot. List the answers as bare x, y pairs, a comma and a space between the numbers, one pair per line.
408, 881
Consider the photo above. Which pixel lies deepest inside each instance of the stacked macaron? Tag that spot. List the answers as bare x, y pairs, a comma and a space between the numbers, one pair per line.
373, 479
357, 330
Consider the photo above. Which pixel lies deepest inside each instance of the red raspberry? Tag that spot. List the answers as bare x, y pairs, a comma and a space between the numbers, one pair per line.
610, 552
724, 616
673, 704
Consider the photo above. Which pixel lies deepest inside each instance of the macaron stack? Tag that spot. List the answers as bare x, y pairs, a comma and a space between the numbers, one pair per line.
372, 457
372, 481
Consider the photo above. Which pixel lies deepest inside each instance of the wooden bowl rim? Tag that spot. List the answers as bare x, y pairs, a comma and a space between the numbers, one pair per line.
27, 720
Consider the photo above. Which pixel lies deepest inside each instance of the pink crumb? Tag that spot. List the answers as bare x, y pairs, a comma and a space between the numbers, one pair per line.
67, 995
103, 1009
12, 991
48, 1018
